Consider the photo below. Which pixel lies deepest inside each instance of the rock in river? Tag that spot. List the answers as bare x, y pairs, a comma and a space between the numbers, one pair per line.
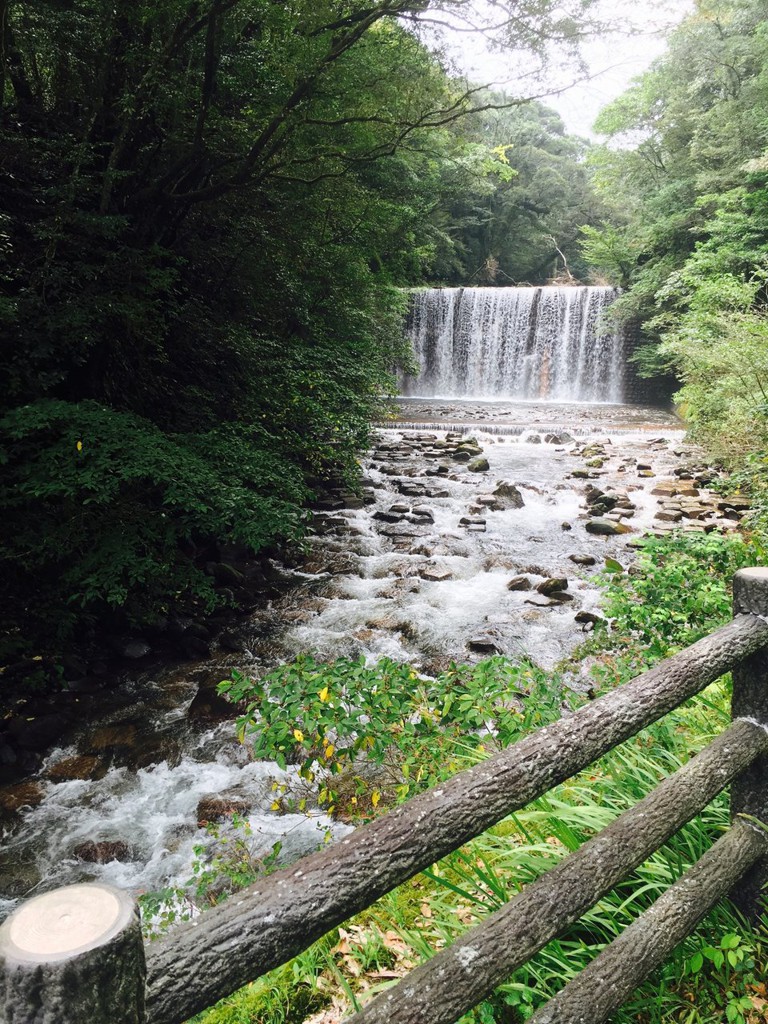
606, 527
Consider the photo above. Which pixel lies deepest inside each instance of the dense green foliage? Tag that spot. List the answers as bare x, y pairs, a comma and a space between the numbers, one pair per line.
337, 721
521, 225
686, 161
204, 211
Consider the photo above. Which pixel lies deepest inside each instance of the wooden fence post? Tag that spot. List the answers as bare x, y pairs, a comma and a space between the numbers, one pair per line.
73, 955
749, 791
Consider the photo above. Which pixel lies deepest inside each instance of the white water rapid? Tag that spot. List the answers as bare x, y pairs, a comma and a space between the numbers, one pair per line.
520, 343
411, 575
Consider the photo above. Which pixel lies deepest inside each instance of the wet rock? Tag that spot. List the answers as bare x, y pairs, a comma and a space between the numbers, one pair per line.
508, 496
79, 767
422, 514
403, 529
230, 641
583, 559
605, 527
411, 490
38, 732
580, 474
560, 596
194, 648
734, 503
217, 807
471, 521
478, 466
666, 488
421, 549
552, 585
540, 603
224, 574
109, 737
18, 881
485, 643
646, 473
519, 583
532, 439
668, 516
23, 794
136, 649
461, 456
391, 624
565, 526
585, 617
102, 852
208, 706
388, 517
435, 575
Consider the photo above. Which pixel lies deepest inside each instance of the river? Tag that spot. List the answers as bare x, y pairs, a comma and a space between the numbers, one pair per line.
401, 576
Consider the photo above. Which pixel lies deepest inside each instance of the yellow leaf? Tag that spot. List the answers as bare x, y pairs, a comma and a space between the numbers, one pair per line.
298, 735
275, 805
323, 695
79, 446
329, 751
375, 797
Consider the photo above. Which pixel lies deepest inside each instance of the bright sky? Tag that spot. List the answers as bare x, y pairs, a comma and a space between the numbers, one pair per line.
613, 60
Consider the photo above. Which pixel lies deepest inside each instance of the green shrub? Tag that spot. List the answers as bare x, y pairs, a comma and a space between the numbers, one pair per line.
678, 590
102, 510
338, 719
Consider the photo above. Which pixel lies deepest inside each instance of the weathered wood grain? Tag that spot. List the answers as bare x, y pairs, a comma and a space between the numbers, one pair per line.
458, 977
616, 972
749, 793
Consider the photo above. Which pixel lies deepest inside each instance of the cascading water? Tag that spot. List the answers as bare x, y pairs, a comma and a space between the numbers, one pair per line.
521, 343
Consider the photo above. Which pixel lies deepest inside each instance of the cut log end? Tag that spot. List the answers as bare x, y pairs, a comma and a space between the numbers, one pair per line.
65, 923
73, 955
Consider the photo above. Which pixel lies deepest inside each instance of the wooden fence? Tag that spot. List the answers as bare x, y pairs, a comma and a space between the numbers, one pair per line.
76, 955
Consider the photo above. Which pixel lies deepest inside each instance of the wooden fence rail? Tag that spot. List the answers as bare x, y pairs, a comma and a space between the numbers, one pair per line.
56, 982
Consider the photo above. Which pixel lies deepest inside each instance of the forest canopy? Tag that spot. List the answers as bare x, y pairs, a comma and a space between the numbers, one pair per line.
206, 211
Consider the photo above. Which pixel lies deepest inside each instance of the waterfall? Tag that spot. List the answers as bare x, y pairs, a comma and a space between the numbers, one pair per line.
523, 343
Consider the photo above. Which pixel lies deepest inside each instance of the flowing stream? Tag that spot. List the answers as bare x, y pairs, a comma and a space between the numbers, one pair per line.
416, 569
418, 572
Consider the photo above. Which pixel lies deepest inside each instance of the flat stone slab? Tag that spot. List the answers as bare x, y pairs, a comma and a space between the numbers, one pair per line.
436, 575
